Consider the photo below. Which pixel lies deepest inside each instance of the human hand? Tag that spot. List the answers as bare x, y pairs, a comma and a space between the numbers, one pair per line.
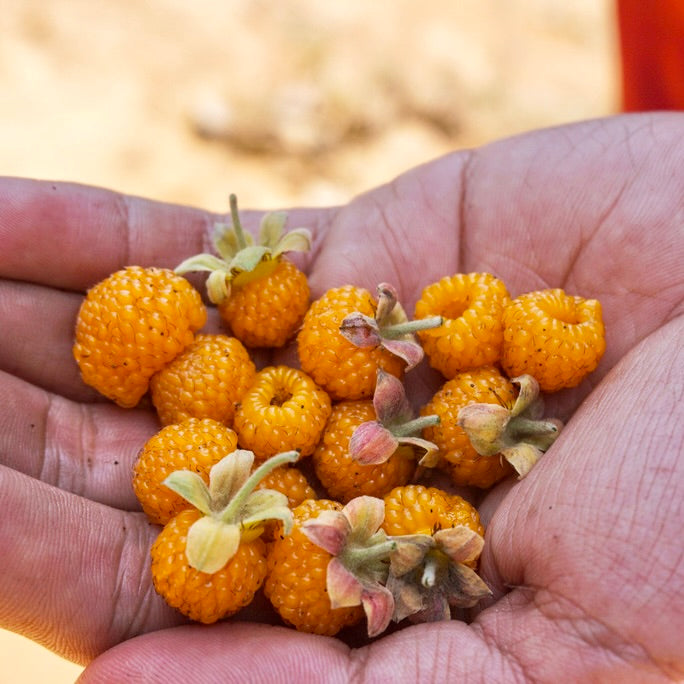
584, 556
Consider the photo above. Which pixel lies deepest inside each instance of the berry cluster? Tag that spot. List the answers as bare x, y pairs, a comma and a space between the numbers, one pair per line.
315, 484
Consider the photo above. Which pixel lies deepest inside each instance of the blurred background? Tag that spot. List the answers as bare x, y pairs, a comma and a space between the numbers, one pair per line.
302, 102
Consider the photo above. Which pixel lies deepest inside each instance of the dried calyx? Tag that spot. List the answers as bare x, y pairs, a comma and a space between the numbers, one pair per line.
519, 434
232, 510
390, 328
376, 441
431, 574
240, 260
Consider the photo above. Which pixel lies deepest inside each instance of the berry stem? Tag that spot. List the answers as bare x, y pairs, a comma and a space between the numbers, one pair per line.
411, 427
398, 330
525, 427
539, 433
239, 232
357, 554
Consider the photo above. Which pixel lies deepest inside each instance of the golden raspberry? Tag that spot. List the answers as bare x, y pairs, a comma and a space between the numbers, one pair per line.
296, 581
261, 296
290, 481
556, 338
202, 596
415, 509
471, 333
458, 457
194, 445
282, 410
342, 477
206, 380
341, 368
132, 324
267, 310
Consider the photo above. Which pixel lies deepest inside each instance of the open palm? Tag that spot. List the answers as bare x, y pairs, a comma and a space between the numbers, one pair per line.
585, 556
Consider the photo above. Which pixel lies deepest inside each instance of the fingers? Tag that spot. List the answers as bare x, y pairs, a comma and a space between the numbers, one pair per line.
71, 236
92, 231
86, 449
75, 574
256, 653
38, 324
225, 653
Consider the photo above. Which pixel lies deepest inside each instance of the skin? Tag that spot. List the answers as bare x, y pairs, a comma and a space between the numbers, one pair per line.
584, 556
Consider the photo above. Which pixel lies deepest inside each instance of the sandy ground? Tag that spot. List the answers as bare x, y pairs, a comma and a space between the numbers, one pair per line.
283, 103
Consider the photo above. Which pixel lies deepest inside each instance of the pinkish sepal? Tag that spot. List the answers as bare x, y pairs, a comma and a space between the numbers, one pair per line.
409, 552
329, 530
408, 597
430, 457
518, 434
361, 330
390, 328
411, 352
528, 395
523, 457
435, 608
484, 424
371, 443
389, 399
375, 441
387, 301
361, 550
365, 514
344, 589
466, 587
378, 604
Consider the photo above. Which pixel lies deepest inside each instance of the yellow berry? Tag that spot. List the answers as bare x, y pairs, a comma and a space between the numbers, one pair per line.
556, 338
206, 380
132, 324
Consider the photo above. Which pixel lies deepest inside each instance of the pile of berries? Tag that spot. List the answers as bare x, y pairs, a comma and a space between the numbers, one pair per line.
312, 484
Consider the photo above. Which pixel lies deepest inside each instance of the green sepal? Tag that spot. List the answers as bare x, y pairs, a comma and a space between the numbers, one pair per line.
211, 543
218, 286
200, 262
227, 243
267, 504
227, 477
192, 488
271, 228
231, 506
296, 240
239, 256
248, 259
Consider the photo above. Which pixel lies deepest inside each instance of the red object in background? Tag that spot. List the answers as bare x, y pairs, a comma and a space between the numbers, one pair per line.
652, 54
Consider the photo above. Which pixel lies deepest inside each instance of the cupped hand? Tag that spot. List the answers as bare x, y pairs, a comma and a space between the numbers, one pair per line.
584, 556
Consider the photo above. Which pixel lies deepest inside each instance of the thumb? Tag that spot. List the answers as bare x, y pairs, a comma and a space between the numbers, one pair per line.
235, 652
